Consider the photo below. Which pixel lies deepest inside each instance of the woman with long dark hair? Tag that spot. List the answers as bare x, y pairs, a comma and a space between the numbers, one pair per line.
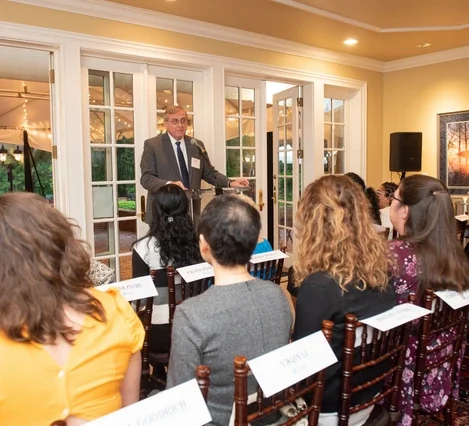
171, 240
67, 350
427, 255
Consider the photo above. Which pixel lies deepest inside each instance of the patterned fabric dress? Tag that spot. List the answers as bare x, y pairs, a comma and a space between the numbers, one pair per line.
436, 385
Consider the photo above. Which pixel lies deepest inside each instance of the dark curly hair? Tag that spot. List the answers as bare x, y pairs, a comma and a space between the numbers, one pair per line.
370, 194
389, 188
173, 228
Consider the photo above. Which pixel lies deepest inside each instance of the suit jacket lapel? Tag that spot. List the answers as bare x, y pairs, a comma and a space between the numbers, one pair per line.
169, 153
190, 154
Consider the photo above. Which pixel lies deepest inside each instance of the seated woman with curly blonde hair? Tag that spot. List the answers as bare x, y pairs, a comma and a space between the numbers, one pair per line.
67, 351
342, 267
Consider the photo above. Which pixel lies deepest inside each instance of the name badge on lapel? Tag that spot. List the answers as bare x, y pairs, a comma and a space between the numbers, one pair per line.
195, 163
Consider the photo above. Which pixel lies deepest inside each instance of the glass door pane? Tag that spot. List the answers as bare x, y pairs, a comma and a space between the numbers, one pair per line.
287, 131
113, 167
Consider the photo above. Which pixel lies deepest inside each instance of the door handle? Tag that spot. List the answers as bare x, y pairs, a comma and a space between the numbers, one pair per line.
261, 200
142, 208
274, 197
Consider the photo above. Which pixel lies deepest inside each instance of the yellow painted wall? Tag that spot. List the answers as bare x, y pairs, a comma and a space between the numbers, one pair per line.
47, 18
414, 97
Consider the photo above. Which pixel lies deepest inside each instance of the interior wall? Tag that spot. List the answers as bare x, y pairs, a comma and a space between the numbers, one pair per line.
412, 100
53, 19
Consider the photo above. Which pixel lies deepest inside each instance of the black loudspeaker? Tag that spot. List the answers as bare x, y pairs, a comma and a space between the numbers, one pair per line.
405, 152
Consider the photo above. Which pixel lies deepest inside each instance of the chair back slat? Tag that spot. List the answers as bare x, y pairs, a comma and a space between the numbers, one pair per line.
313, 386
268, 270
387, 349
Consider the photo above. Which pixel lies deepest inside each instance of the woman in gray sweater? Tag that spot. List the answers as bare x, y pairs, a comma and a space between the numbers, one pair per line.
239, 315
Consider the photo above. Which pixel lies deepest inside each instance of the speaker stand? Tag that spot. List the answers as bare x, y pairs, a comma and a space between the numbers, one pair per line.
402, 175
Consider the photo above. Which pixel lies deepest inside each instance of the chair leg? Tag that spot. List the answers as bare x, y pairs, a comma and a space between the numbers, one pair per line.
448, 412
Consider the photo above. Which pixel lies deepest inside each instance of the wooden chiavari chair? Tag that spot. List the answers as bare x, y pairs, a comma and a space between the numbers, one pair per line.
387, 350
266, 406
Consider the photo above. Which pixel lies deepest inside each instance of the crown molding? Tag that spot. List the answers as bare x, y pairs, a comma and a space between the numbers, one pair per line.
427, 59
334, 16
132, 15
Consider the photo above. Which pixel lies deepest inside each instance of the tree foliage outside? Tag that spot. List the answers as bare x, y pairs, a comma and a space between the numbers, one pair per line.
43, 160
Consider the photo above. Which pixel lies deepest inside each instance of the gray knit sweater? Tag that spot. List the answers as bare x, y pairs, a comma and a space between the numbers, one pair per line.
248, 318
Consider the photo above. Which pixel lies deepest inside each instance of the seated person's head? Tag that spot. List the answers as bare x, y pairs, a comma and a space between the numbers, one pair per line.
370, 194
43, 267
383, 193
173, 228
335, 234
422, 208
229, 230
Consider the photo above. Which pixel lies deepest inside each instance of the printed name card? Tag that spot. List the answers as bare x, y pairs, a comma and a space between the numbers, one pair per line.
292, 363
396, 316
134, 289
269, 255
462, 217
181, 405
196, 272
453, 298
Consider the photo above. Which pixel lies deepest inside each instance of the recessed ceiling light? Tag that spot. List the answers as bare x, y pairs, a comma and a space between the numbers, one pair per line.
350, 41
424, 44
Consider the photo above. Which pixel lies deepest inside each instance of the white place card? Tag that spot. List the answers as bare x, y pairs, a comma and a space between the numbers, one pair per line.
292, 363
453, 298
396, 316
181, 405
196, 272
268, 255
134, 289
462, 217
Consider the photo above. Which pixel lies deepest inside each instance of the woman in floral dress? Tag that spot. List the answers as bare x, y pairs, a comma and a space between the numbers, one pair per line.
427, 255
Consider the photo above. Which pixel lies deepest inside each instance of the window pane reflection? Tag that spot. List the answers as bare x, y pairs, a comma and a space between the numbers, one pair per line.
104, 239
98, 86
247, 101
232, 131
125, 164
185, 96
100, 128
123, 90
231, 100
164, 93
233, 163
101, 164
248, 133
124, 125
127, 235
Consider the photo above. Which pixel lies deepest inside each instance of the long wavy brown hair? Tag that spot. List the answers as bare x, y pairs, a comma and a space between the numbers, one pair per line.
43, 268
336, 236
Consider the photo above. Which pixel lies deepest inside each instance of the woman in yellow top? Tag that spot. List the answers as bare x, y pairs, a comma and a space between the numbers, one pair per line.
67, 351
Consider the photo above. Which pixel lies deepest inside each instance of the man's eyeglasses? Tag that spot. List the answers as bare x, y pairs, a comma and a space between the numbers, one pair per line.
175, 121
393, 197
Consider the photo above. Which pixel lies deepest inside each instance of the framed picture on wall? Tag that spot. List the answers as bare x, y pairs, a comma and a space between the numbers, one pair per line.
454, 151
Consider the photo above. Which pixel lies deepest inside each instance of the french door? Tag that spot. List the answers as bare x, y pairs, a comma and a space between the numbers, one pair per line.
287, 137
124, 104
245, 137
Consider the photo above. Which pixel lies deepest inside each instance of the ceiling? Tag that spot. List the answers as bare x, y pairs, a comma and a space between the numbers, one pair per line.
386, 31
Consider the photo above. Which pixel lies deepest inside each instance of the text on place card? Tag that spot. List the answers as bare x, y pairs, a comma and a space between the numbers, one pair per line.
396, 316
134, 289
181, 405
292, 363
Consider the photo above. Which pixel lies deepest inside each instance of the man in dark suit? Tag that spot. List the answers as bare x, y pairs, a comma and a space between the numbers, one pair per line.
172, 158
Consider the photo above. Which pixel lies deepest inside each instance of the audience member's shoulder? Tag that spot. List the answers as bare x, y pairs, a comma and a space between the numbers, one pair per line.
399, 245
111, 299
